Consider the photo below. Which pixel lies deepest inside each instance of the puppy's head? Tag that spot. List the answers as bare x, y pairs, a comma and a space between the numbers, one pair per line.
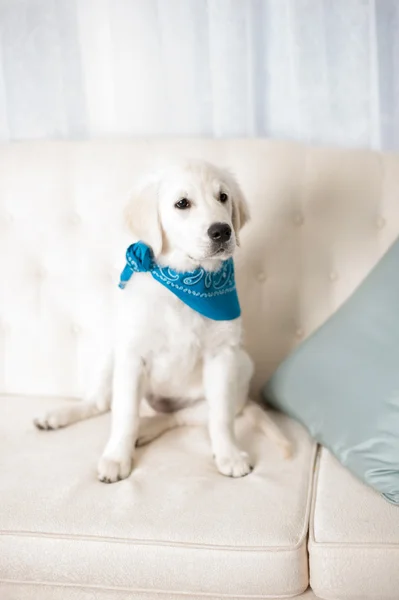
195, 211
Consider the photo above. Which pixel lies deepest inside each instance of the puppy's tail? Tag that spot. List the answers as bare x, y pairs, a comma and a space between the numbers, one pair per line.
259, 418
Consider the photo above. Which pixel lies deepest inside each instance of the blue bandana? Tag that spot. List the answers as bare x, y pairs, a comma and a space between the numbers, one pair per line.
212, 294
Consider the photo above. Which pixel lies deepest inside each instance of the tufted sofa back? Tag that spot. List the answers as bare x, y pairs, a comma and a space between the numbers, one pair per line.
321, 218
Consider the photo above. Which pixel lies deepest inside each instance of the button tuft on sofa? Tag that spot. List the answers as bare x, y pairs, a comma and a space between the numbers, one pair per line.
75, 219
299, 219
262, 277
333, 276
380, 222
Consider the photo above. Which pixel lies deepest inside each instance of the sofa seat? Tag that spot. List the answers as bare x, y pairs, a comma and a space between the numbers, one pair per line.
354, 537
174, 527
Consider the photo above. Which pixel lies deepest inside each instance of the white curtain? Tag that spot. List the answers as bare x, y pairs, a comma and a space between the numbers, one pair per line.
315, 70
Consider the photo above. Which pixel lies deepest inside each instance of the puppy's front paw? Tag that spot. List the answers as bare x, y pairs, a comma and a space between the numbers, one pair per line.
234, 464
48, 421
111, 470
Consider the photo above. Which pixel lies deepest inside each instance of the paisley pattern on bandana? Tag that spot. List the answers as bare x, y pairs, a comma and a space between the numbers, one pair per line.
212, 294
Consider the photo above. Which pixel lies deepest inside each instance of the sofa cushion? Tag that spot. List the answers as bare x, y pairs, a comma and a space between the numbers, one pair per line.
353, 539
175, 525
343, 381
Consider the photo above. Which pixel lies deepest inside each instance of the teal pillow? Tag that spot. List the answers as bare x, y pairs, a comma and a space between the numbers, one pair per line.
342, 382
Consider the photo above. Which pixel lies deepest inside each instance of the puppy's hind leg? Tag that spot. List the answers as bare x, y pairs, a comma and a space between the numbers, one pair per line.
154, 426
97, 401
259, 418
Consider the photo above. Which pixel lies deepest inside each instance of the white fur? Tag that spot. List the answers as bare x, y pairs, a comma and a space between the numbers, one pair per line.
164, 351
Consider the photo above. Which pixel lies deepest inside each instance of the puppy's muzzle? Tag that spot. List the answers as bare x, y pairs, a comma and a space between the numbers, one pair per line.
220, 234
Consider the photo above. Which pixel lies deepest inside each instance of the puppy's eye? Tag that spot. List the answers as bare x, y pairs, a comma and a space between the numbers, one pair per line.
223, 197
183, 204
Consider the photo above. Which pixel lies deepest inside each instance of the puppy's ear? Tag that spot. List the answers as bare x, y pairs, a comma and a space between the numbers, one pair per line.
142, 214
240, 207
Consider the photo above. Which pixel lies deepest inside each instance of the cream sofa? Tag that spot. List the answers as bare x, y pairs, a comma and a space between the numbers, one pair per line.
176, 529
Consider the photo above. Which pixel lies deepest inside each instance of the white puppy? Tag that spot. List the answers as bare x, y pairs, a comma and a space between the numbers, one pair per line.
188, 367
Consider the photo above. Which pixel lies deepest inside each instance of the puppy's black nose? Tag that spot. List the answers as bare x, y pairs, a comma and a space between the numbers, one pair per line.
219, 232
